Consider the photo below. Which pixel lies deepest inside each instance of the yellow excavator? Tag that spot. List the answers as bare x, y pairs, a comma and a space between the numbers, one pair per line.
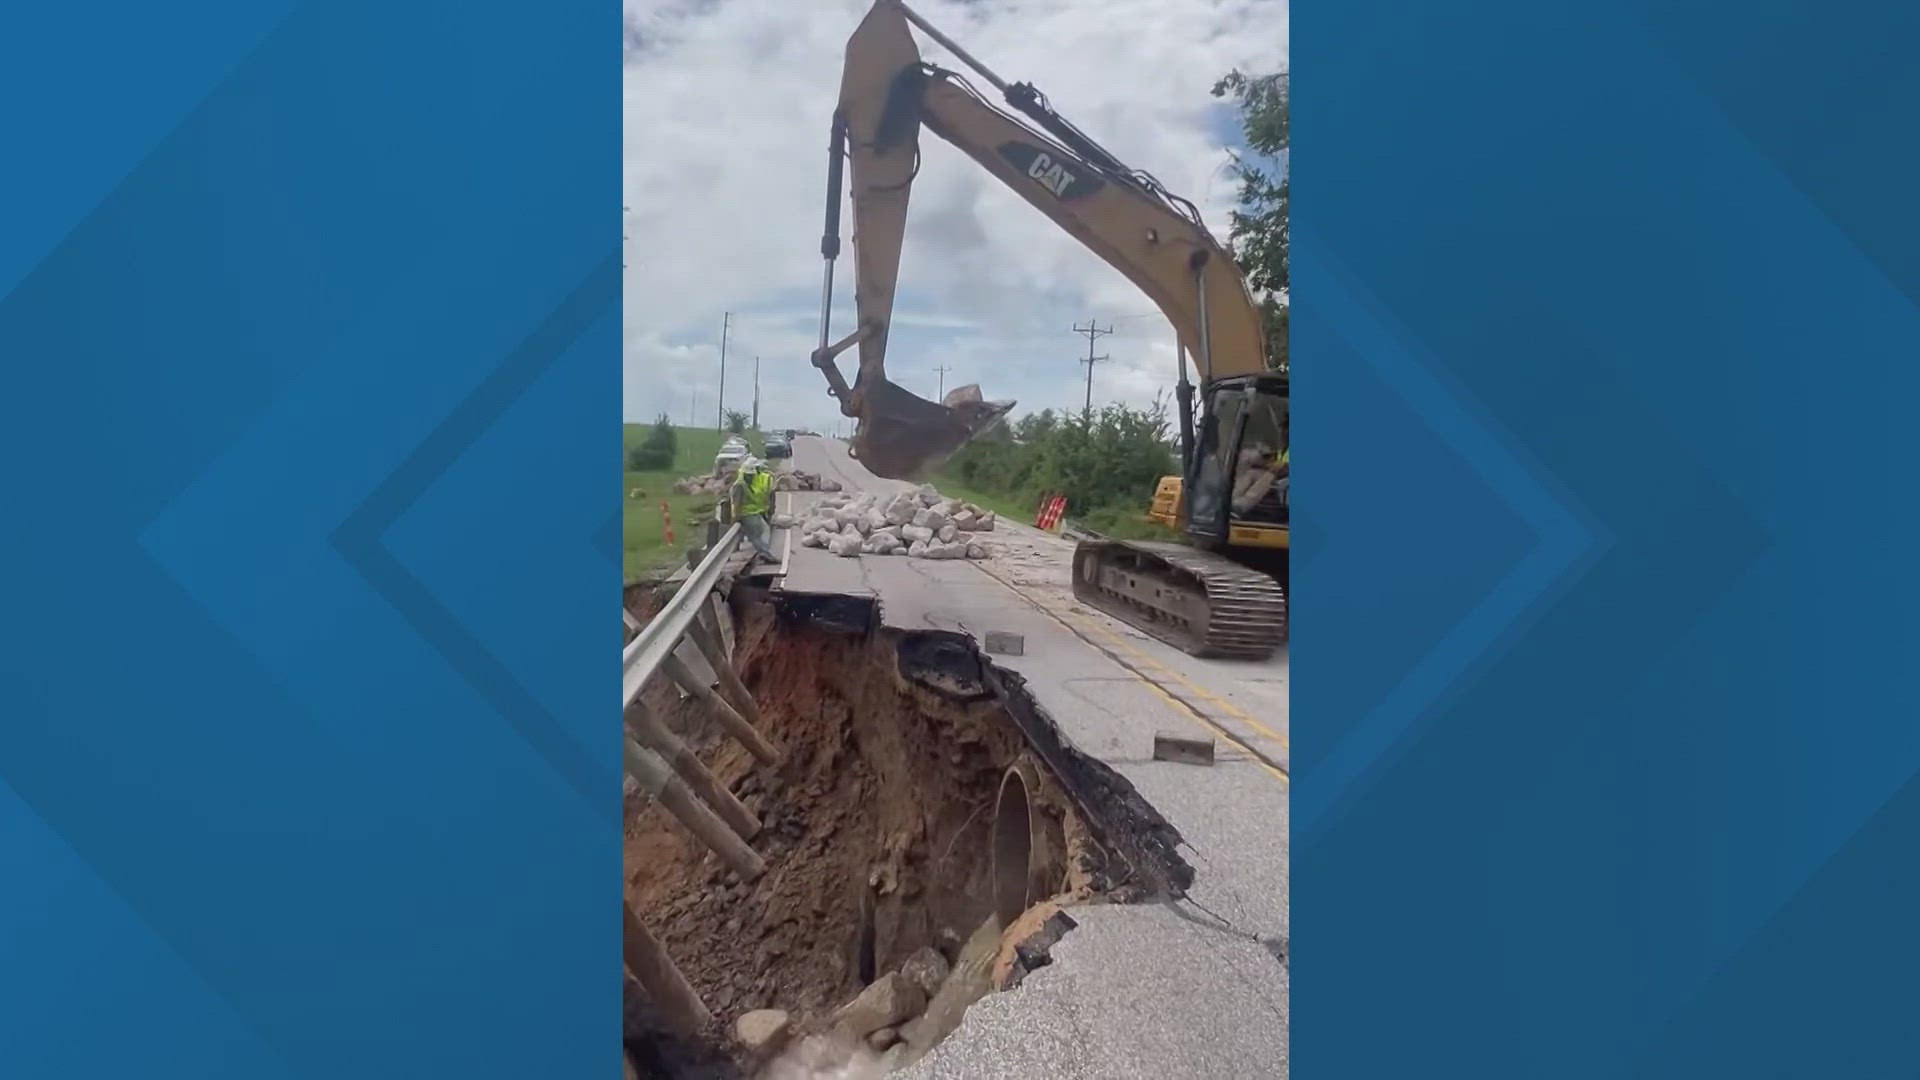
1223, 594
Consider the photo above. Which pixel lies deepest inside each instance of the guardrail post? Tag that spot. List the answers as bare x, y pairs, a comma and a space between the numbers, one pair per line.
660, 977
658, 779
716, 654
655, 736
735, 724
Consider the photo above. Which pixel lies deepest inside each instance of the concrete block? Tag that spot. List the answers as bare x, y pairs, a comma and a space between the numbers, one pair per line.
1186, 749
1001, 643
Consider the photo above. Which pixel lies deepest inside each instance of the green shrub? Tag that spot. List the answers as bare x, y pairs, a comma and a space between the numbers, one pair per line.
662, 437
644, 458
1109, 461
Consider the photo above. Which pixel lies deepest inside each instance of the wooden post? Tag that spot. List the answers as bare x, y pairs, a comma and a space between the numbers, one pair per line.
716, 654
658, 779
660, 977
735, 724
655, 736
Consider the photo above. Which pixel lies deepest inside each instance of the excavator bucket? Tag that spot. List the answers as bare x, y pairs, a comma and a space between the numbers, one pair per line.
902, 435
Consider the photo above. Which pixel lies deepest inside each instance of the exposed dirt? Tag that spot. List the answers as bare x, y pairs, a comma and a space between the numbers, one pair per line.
877, 822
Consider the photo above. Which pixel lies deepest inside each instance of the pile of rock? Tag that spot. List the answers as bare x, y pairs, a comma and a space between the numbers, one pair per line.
701, 485
922, 524
890, 1001
789, 480
795, 480
893, 1023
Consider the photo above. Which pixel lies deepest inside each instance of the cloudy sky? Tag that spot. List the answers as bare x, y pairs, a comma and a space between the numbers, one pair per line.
727, 107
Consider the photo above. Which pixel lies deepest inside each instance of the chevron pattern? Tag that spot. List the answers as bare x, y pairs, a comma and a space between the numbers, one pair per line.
311, 322
1605, 326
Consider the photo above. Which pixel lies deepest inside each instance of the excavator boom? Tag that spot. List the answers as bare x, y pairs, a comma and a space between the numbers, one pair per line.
887, 94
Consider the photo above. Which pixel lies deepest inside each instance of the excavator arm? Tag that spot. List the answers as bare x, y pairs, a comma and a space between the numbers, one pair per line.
1124, 216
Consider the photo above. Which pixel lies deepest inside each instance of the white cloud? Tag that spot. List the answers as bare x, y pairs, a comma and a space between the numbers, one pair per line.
727, 104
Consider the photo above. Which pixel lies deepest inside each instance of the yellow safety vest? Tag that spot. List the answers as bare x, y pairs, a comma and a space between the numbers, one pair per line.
759, 491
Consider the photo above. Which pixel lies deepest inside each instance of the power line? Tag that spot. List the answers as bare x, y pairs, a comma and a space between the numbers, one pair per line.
942, 392
1092, 330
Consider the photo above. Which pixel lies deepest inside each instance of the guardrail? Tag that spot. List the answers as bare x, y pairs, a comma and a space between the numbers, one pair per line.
666, 770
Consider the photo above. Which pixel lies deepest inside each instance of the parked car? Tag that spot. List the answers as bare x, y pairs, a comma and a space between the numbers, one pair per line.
732, 453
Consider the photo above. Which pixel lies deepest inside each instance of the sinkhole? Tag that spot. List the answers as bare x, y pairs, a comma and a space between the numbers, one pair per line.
921, 800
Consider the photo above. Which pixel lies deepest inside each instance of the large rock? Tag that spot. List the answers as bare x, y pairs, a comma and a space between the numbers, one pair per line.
926, 969
950, 507
917, 549
762, 1031
815, 539
927, 496
874, 519
829, 485
977, 551
888, 1002
938, 550
986, 523
912, 533
947, 533
965, 520
968, 982
900, 511
846, 546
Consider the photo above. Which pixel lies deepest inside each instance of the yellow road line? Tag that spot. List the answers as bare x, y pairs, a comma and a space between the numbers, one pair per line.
1184, 708
1181, 707
1229, 707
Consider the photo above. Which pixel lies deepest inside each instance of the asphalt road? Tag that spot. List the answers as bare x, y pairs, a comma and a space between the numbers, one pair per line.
1190, 989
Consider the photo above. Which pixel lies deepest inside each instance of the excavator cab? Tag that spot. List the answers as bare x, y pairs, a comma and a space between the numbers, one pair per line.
1239, 483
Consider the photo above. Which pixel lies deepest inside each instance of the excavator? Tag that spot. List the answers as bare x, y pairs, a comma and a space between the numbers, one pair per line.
1223, 593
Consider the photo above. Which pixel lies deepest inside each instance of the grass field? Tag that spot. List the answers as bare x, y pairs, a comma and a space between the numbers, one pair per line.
643, 539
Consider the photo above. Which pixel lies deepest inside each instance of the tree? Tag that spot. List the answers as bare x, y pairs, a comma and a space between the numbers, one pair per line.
663, 436
736, 421
1259, 224
656, 451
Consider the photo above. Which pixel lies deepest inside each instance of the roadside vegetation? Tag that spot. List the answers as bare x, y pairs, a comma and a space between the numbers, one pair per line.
687, 452
1107, 463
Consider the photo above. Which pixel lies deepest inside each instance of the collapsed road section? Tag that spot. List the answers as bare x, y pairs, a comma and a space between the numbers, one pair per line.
920, 829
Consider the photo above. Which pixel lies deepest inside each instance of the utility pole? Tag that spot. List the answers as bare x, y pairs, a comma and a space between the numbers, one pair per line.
1092, 330
720, 407
942, 392
756, 393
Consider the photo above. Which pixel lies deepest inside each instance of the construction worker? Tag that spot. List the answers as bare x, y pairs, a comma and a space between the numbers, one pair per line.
752, 498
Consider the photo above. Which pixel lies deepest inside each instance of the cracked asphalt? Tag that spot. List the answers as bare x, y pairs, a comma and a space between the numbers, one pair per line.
1196, 988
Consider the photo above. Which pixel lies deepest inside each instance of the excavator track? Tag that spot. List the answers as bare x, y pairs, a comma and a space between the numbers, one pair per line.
1200, 603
